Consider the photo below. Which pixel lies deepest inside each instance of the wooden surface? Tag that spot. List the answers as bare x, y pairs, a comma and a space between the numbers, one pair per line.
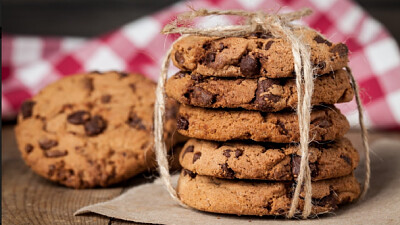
30, 199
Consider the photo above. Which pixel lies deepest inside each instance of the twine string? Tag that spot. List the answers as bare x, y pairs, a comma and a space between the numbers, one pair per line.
364, 133
159, 112
279, 26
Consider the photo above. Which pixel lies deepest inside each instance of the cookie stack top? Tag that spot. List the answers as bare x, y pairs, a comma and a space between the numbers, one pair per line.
256, 73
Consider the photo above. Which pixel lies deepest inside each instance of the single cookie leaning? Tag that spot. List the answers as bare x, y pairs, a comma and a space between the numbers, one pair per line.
259, 55
260, 198
267, 161
92, 129
280, 127
263, 94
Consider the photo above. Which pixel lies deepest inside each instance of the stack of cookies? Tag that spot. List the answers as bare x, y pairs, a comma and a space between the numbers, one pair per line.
238, 98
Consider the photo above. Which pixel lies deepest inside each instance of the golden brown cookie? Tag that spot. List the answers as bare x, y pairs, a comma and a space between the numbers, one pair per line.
263, 94
281, 127
260, 198
91, 129
267, 161
259, 55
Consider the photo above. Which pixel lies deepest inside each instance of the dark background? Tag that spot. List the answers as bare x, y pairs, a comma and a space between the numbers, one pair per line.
87, 18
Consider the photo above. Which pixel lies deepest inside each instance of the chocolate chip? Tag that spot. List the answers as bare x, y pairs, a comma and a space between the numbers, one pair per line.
268, 206
135, 121
78, 117
55, 153
123, 74
321, 65
96, 72
210, 57
188, 172
238, 153
95, 126
340, 49
133, 87
321, 122
262, 35
202, 97
281, 211
227, 153
88, 84
327, 201
196, 156
296, 160
179, 57
180, 74
262, 95
227, 172
296, 165
182, 123
27, 109
206, 45
221, 46
105, 99
281, 127
196, 77
189, 148
259, 44
320, 40
28, 148
249, 66
346, 159
314, 169
46, 143
268, 45
52, 168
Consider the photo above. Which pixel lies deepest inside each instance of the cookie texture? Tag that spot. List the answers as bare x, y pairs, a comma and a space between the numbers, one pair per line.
259, 55
260, 198
267, 161
91, 129
281, 127
263, 94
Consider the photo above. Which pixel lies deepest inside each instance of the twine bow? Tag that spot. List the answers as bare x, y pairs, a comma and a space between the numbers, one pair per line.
256, 22
279, 26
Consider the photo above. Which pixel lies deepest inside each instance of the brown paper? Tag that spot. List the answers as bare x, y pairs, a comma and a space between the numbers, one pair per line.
150, 203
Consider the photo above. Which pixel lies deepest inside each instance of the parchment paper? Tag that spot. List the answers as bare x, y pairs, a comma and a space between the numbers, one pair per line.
150, 203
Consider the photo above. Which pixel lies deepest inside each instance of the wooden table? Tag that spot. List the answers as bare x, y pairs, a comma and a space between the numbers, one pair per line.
30, 199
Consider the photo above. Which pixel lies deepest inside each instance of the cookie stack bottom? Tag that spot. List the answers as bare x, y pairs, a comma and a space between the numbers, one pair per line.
260, 198
209, 180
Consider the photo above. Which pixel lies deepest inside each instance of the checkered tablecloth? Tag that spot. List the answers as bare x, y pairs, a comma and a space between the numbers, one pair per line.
30, 63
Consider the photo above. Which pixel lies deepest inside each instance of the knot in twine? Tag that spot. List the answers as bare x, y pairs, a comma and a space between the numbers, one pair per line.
279, 26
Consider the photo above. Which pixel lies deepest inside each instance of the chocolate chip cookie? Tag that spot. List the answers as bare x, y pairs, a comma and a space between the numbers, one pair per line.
327, 123
263, 94
259, 55
91, 129
260, 198
267, 161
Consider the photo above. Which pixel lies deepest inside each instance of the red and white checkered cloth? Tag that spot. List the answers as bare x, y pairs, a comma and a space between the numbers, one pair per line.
29, 64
